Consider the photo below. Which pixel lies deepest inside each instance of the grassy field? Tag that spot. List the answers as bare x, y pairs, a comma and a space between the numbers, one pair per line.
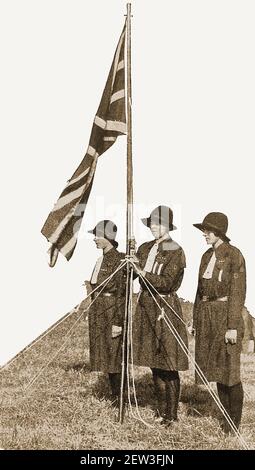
68, 407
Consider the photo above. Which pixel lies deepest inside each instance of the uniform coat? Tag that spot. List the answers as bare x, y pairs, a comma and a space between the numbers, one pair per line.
106, 311
155, 346
219, 361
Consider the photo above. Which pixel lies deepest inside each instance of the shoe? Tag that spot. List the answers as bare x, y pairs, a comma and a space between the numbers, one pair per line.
159, 420
226, 428
158, 416
167, 423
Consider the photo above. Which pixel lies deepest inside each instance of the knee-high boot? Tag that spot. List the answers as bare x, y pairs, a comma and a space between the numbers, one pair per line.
236, 403
160, 392
223, 392
172, 395
232, 400
115, 386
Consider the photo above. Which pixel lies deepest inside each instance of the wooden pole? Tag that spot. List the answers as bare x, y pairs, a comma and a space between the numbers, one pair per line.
129, 137
129, 216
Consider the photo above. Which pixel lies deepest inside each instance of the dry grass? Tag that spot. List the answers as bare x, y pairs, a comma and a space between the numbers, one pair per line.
69, 408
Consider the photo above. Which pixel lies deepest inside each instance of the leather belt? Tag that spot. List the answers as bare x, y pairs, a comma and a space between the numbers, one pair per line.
207, 298
95, 295
170, 294
115, 295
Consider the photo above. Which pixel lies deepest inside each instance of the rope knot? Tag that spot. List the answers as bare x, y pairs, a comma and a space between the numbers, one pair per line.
162, 314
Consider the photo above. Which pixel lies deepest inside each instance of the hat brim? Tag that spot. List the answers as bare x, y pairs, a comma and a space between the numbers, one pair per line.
147, 221
213, 229
113, 242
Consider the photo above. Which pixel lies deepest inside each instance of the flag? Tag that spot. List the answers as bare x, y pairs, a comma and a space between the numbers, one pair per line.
63, 223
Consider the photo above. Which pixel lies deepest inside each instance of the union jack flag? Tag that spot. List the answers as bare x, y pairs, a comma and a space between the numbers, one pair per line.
63, 223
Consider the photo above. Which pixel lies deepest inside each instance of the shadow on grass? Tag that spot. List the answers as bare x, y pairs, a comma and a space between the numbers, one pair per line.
198, 401
143, 387
101, 388
145, 391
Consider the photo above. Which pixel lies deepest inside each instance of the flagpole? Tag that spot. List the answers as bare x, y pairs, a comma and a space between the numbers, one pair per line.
129, 137
129, 216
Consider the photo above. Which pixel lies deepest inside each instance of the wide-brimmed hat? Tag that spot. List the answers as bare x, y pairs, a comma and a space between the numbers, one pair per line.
162, 215
217, 223
106, 229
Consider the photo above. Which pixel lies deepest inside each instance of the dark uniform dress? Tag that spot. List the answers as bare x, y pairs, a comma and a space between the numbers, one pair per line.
154, 344
219, 361
107, 310
218, 307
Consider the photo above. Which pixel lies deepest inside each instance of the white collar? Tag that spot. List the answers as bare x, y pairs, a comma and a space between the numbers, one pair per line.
161, 239
217, 244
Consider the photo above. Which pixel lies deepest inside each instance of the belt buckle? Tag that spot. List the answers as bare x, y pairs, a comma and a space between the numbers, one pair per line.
205, 298
223, 299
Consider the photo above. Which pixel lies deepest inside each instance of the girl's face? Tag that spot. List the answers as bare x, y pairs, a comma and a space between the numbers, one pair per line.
210, 237
101, 243
158, 230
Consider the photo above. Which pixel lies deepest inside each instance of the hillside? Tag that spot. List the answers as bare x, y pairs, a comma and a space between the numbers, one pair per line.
68, 407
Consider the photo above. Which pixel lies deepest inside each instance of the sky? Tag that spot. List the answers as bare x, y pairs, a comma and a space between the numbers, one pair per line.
193, 78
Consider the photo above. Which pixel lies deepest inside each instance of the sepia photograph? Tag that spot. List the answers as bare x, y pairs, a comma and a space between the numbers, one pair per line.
128, 318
